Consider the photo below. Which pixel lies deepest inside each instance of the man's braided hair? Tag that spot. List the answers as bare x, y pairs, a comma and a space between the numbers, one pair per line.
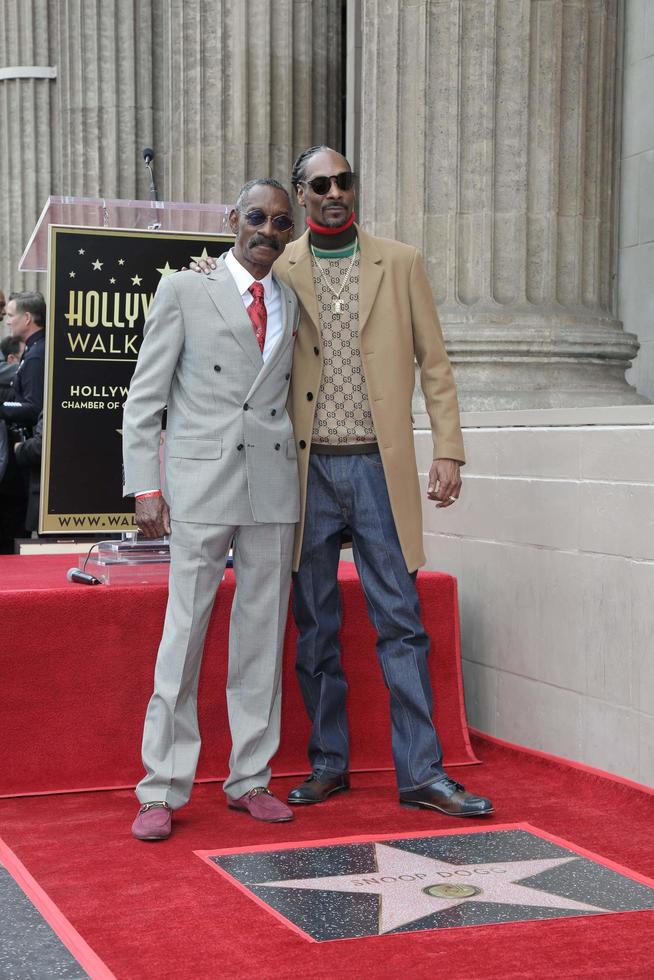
298, 172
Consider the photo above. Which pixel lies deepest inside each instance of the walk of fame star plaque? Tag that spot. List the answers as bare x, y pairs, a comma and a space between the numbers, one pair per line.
370, 886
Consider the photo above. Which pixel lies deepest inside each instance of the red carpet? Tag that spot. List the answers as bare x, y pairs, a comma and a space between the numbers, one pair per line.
77, 663
157, 910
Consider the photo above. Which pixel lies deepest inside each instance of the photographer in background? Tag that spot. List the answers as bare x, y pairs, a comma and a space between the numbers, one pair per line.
28, 457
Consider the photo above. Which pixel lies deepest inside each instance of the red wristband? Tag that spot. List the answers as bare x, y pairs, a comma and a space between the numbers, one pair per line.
151, 493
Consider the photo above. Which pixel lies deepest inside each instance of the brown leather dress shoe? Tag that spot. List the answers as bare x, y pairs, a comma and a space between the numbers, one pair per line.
316, 789
447, 796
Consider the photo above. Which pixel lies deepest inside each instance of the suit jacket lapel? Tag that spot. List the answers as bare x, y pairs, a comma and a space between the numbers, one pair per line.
223, 292
285, 337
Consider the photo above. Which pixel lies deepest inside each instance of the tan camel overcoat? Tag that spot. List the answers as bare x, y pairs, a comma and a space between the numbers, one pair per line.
398, 323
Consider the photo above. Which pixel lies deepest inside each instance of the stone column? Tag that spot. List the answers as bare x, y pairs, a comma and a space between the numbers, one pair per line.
488, 140
27, 140
245, 86
80, 131
104, 109
223, 90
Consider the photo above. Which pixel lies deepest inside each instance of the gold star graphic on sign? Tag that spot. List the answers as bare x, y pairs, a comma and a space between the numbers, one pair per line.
112, 280
136, 280
204, 256
72, 275
97, 265
80, 251
121, 261
166, 271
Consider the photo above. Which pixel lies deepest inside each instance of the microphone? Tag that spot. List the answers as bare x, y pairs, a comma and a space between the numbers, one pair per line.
84, 578
148, 156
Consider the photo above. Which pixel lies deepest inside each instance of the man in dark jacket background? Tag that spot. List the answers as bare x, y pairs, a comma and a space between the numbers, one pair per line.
28, 457
21, 409
11, 349
26, 322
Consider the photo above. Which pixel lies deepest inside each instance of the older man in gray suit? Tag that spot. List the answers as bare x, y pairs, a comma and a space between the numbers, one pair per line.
217, 351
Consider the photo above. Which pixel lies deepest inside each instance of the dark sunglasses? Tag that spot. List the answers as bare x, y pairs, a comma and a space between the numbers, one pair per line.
321, 185
281, 222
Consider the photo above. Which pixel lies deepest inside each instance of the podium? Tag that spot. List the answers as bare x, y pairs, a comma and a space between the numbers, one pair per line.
105, 259
90, 212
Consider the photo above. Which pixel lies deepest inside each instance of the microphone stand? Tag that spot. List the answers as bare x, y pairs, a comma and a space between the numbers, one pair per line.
148, 156
153, 188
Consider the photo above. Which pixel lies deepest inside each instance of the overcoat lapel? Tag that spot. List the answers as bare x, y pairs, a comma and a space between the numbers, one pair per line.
371, 274
223, 292
300, 274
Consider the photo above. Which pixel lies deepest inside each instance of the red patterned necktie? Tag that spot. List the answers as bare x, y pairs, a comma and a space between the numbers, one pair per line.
257, 313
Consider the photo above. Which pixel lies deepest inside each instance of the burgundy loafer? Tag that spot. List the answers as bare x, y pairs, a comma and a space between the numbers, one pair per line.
153, 821
262, 805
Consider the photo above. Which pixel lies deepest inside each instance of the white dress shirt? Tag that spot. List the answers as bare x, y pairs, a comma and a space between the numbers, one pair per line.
272, 298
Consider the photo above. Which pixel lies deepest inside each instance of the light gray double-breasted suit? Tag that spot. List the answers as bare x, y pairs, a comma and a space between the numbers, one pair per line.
230, 473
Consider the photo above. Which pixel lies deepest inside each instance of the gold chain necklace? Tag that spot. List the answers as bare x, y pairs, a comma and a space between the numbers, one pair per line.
336, 293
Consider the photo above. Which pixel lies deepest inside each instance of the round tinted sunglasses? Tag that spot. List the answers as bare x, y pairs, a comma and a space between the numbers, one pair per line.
282, 222
321, 185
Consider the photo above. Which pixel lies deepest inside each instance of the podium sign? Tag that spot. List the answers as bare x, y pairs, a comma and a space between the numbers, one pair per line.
102, 282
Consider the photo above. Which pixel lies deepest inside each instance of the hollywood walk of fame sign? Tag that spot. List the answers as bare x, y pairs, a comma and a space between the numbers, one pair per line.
374, 886
102, 282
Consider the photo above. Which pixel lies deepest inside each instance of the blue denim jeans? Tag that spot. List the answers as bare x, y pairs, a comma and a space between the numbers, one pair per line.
350, 492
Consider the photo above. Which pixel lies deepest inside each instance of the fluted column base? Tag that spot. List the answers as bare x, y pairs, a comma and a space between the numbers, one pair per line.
555, 360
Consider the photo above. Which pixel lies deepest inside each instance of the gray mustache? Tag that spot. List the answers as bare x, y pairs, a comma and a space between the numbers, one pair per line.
262, 240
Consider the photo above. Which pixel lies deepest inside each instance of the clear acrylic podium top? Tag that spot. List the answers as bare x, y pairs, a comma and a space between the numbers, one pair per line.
131, 561
99, 212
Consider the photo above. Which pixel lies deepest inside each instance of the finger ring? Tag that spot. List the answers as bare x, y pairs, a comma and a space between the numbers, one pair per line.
452, 500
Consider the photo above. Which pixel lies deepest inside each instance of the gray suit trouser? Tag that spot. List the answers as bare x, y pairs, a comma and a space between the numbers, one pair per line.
171, 738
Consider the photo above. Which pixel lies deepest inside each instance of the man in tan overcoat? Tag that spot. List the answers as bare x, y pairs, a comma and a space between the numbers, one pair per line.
367, 313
